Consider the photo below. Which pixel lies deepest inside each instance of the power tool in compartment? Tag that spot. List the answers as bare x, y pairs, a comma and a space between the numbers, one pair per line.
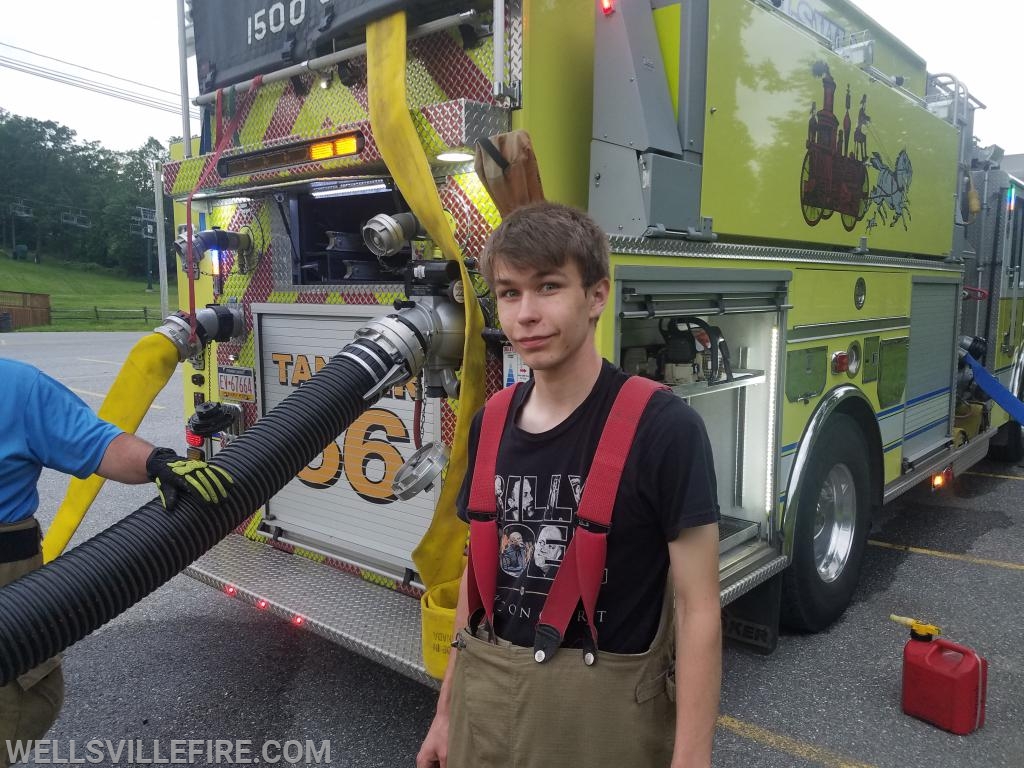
693, 351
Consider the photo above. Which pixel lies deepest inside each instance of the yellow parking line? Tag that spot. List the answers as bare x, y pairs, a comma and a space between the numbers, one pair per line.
949, 555
97, 394
989, 474
789, 746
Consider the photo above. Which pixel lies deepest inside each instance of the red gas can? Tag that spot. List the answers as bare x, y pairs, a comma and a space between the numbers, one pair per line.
944, 683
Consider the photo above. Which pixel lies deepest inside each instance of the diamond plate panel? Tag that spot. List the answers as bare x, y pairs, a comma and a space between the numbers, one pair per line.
441, 126
514, 38
742, 586
439, 64
462, 123
463, 197
379, 623
281, 247
482, 120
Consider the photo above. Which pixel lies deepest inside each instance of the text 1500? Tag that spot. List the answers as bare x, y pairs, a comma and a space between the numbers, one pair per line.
276, 17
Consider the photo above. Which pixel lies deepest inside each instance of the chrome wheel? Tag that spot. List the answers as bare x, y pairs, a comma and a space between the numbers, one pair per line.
835, 521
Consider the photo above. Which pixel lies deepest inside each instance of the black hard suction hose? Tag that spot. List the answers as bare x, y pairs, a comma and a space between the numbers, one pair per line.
52, 608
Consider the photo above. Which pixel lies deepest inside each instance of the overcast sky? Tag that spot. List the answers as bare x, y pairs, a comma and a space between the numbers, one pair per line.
133, 39
137, 39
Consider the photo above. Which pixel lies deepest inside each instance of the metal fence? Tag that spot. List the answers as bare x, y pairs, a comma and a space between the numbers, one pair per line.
24, 310
104, 313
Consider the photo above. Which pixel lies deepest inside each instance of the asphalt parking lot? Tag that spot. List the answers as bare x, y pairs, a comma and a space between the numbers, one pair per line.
191, 663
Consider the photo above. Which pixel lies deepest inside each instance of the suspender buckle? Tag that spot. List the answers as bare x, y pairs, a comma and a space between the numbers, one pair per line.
477, 620
545, 643
589, 649
592, 526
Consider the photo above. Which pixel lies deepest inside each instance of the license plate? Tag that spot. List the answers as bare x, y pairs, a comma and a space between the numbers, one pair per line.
237, 384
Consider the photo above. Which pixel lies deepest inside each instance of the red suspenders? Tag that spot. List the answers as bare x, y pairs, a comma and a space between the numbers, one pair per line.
582, 568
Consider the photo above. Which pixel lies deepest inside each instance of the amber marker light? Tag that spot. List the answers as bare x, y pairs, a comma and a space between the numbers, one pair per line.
322, 150
347, 145
941, 479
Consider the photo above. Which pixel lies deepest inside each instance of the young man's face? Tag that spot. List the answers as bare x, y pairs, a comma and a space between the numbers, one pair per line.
548, 316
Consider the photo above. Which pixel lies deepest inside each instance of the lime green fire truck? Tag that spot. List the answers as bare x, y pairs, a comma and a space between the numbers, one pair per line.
807, 241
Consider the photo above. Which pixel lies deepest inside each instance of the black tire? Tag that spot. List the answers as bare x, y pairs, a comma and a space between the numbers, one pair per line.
827, 556
1008, 444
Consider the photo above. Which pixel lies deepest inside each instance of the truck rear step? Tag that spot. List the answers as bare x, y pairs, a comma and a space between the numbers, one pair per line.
379, 623
383, 624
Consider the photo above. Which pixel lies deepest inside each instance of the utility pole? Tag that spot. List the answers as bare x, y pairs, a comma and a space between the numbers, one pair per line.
161, 235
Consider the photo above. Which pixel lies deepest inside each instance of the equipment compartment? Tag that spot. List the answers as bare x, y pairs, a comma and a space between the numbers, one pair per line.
670, 321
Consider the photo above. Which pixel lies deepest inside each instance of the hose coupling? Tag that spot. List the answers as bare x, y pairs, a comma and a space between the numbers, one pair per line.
217, 322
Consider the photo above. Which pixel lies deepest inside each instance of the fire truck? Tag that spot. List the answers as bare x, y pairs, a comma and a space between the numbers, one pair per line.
808, 245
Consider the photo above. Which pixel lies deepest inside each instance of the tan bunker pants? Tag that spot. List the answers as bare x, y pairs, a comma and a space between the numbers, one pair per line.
508, 711
30, 704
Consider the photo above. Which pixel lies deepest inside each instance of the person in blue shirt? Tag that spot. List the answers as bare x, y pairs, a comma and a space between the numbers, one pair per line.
44, 424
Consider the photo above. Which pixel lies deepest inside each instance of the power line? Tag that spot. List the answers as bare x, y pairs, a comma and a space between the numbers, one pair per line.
89, 69
53, 204
92, 85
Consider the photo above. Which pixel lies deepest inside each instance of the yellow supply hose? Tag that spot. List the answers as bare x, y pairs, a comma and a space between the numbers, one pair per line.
439, 555
144, 374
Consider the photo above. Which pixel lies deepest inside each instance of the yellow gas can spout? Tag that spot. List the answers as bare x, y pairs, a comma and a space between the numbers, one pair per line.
916, 626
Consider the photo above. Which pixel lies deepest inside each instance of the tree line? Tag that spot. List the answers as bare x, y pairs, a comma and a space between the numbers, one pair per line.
74, 201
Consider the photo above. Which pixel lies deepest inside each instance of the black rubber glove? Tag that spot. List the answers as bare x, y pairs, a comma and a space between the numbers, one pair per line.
173, 474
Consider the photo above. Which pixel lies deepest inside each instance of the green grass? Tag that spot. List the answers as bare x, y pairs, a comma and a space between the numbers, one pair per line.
73, 286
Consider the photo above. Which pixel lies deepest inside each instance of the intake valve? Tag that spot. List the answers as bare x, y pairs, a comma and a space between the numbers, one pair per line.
386, 235
212, 417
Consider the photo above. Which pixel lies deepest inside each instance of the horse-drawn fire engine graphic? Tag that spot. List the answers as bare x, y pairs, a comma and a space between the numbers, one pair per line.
834, 177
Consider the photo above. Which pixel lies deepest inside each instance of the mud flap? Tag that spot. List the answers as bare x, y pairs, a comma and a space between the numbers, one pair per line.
752, 621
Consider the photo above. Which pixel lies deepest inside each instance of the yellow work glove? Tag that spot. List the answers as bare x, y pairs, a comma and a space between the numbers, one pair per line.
173, 474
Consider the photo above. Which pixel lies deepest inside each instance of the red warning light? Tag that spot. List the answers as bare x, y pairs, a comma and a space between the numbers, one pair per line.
261, 604
232, 591
298, 621
196, 441
608, 6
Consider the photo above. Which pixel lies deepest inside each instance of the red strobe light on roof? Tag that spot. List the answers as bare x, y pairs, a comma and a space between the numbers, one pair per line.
608, 6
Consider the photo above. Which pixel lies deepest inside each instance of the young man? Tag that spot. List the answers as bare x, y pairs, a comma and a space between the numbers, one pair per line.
44, 424
548, 267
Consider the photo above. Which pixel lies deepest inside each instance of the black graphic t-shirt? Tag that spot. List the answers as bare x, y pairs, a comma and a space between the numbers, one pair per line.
668, 484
